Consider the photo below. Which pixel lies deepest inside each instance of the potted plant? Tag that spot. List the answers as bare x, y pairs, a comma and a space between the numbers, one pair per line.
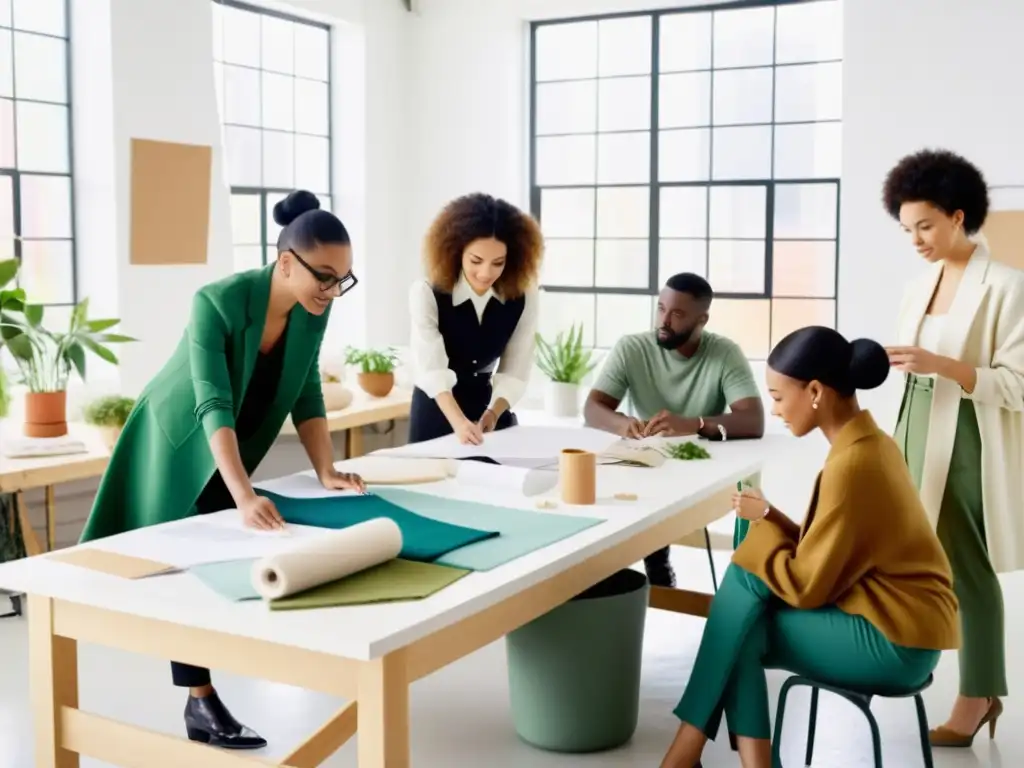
109, 414
336, 396
45, 358
376, 369
566, 364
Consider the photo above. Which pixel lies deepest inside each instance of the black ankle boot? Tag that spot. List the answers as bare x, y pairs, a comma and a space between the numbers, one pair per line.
659, 569
207, 720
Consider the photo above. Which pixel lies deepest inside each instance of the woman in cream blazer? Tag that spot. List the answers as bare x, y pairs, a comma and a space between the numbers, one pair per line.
961, 344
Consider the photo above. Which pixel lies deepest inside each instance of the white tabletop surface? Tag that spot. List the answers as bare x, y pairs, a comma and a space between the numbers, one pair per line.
370, 631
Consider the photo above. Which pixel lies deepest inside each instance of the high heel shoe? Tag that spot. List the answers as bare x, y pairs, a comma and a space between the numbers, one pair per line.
208, 721
947, 737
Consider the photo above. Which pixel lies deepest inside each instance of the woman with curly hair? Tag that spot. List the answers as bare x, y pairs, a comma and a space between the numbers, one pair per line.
473, 319
961, 346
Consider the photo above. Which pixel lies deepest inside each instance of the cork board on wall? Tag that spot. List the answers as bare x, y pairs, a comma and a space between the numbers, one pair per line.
170, 199
1004, 231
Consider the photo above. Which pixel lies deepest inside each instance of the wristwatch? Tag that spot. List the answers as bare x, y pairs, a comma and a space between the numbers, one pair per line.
721, 430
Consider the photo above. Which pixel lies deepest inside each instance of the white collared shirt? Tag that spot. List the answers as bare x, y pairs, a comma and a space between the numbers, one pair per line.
430, 361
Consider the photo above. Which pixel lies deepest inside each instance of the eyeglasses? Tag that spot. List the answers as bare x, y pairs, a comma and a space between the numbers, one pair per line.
329, 282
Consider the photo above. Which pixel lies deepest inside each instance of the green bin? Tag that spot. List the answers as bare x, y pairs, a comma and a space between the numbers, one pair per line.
574, 673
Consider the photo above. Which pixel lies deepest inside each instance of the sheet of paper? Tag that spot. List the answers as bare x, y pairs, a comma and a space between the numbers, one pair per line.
200, 540
303, 485
524, 480
525, 443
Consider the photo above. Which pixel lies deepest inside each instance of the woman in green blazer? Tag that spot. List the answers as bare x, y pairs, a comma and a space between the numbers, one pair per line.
247, 360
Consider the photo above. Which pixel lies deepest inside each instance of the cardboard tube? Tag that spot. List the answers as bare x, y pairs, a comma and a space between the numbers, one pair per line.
577, 472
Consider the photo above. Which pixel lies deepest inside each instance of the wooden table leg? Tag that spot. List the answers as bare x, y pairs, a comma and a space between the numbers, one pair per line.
353, 442
383, 713
28, 535
53, 668
51, 519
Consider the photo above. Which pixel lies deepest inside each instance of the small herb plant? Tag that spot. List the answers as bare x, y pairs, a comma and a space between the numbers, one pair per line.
564, 360
372, 360
110, 411
687, 451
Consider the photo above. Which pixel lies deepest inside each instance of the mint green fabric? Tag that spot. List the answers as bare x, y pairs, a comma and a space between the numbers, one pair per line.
520, 531
229, 578
393, 580
423, 538
657, 379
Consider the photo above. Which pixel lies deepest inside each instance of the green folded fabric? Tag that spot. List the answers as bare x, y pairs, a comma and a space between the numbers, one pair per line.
521, 530
390, 581
423, 539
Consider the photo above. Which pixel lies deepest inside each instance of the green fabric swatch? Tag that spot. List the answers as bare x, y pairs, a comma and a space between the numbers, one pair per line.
393, 580
521, 531
231, 578
423, 539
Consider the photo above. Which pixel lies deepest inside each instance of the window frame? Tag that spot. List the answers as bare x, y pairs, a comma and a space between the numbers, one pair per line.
654, 183
262, 192
16, 173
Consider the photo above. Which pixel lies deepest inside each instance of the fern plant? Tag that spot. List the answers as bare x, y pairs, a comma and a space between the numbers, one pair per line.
564, 360
372, 360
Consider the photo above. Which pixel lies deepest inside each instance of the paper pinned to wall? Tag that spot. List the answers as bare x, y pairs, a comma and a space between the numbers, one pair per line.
1004, 231
170, 202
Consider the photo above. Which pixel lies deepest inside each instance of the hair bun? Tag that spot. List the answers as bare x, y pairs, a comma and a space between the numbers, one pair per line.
297, 203
869, 364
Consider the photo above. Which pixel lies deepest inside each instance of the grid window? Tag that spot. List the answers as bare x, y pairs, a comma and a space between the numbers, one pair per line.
36, 196
273, 91
702, 140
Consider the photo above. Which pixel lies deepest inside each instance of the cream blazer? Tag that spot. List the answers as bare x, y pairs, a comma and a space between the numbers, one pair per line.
984, 328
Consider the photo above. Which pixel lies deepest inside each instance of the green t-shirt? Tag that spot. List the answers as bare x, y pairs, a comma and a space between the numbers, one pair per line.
659, 379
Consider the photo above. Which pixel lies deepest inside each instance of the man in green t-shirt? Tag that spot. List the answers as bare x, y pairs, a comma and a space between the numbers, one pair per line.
681, 380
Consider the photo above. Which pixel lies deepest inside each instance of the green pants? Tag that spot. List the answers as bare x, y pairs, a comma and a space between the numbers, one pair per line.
961, 529
750, 630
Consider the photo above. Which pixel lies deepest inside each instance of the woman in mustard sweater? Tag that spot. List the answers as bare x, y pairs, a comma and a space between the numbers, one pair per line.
860, 594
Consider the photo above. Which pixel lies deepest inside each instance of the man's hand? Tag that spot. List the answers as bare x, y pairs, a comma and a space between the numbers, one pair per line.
334, 480
669, 425
632, 429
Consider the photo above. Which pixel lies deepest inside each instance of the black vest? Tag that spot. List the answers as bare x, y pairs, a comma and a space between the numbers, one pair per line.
474, 346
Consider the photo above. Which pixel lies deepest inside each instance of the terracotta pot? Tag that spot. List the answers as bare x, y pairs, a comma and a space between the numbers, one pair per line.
377, 384
46, 414
109, 435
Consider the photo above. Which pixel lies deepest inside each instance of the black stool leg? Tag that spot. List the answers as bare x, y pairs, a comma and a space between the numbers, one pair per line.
780, 714
812, 724
711, 559
922, 724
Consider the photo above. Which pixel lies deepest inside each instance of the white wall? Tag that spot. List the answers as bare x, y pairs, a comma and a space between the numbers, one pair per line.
916, 73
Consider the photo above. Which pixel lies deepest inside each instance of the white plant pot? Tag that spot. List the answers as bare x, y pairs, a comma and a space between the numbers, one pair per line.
562, 400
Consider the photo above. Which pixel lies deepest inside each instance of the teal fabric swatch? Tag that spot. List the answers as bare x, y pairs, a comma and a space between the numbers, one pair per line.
521, 531
423, 539
230, 578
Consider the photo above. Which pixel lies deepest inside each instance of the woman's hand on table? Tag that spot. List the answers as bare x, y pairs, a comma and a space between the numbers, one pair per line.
333, 480
259, 512
469, 432
750, 504
488, 421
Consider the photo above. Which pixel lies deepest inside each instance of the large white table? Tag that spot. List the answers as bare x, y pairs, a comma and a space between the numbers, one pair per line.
368, 655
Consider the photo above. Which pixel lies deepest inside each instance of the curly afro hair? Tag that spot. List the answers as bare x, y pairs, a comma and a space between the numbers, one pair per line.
479, 216
942, 178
